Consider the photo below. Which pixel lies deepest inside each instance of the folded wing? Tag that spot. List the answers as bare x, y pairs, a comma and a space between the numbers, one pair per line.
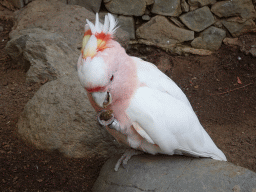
171, 124
152, 77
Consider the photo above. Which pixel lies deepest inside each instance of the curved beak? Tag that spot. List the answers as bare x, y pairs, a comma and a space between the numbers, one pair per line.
102, 99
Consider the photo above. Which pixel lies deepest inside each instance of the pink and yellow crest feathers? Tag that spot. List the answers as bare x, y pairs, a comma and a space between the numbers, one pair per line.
96, 37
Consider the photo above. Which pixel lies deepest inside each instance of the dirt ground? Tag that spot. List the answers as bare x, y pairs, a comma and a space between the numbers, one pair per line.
221, 88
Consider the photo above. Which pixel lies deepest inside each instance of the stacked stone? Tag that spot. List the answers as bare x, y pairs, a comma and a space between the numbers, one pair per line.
170, 23
204, 23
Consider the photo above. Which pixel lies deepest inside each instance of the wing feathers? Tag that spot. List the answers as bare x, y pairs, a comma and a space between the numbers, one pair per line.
150, 75
171, 124
142, 133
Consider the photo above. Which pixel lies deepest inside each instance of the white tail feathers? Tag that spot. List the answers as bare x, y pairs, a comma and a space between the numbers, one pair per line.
109, 27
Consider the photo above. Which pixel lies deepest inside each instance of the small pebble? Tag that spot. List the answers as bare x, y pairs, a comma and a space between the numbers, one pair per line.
146, 17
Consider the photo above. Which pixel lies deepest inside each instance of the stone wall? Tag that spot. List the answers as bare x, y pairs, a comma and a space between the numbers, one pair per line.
195, 26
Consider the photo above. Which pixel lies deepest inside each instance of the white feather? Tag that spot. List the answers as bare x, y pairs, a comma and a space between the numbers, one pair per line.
106, 24
171, 124
112, 24
97, 24
92, 27
86, 27
150, 75
89, 76
142, 133
109, 27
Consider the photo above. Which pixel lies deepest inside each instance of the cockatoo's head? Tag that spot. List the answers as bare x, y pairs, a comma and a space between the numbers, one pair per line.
103, 65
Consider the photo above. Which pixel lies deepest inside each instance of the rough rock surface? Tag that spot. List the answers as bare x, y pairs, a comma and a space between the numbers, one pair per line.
146, 17
183, 49
127, 24
126, 7
160, 30
44, 55
199, 19
184, 6
6, 13
93, 6
237, 26
176, 48
54, 16
201, 3
150, 2
17, 3
173, 173
210, 39
167, 7
242, 8
247, 43
60, 117
177, 22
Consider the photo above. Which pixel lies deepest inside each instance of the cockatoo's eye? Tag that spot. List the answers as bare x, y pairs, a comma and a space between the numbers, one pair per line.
112, 77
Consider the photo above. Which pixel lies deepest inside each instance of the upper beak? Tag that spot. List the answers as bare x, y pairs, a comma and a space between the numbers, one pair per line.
102, 99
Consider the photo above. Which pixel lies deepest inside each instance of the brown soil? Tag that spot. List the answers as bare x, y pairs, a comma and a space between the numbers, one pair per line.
226, 107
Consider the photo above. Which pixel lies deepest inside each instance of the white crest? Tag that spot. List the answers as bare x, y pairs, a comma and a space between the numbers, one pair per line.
109, 27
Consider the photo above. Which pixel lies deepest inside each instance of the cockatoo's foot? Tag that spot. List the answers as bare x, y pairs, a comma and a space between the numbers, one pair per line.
125, 158
105, 118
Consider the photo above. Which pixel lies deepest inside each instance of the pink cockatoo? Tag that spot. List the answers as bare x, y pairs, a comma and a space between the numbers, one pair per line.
150, 112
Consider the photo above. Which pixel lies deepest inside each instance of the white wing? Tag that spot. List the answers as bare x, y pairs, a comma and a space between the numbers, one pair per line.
171, 124
150, 75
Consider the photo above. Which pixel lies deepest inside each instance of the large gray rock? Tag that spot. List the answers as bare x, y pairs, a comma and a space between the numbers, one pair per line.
210, 39
160, 30
126, 7
93, 6
54, 16
60, 117
201, 3
242, 8
44, 55
237, 26
173, 174
167, 7
199, 19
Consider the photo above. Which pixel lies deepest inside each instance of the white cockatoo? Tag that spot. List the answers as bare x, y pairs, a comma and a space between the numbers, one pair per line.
147, 110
